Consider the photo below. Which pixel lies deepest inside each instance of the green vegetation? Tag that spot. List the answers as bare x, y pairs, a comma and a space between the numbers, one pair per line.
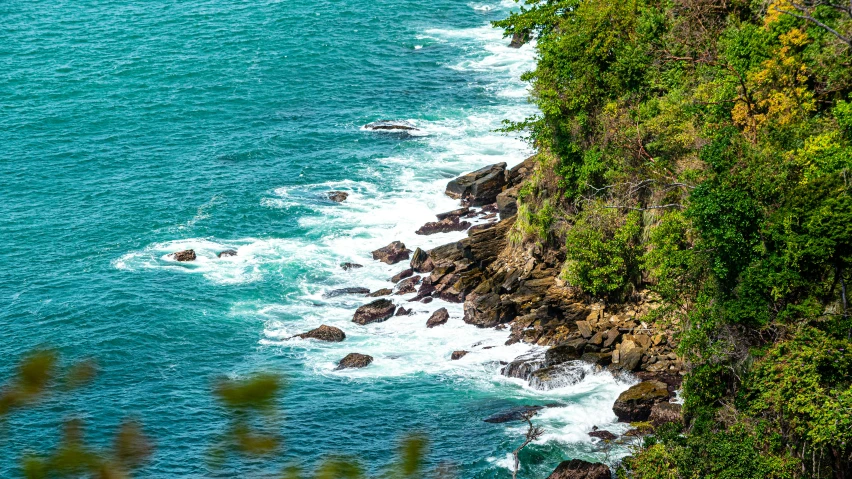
702, 149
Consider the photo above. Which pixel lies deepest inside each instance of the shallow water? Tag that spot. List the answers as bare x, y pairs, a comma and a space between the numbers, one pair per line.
132, 131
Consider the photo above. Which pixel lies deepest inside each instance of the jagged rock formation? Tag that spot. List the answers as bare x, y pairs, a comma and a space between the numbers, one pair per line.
324, 333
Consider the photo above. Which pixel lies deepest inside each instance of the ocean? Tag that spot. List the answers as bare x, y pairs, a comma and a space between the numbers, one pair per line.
131, 130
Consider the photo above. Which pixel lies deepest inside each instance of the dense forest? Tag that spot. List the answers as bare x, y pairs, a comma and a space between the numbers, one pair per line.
701, 149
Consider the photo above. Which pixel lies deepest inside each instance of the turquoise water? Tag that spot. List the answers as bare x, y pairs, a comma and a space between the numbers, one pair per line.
130, 131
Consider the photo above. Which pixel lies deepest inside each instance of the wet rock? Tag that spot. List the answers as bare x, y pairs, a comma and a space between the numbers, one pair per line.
355, 360
519, 39
665, 412
186, 255
226, 253
507, 203
377, 311
488, 310
455, 213
554, 377
438, 318
337, 196
458, 355
518, 413
636, 403
523, 366
600, 359
324, 333
420, 261
407, 286
343, 291
480, 187
480, 227
348, 266
406, 273
380, 292
392, 253
403, 312
580, 469
445, 225
389, 125
567, 351
603, 435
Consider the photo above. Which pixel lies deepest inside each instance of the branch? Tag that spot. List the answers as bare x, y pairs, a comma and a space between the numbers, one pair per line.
658, 207
806, 15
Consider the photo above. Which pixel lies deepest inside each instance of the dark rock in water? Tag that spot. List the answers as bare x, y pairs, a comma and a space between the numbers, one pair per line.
567, 351
480, 187
375, 312
566, 374
387, 125
455, 213
186, 255
513, 414
491, 208
380, 292
636, 403
337, 196
420, 261
392, 253
519, 39
355, 360
348, 266
426, 300
438, 318
601, 359
604, 435
446, 225
458, 355
507, 203
483, 226
580, 469
324, 333
407, 286
226, 253
665, 412
342, 291
402, 312
406, 273
523, 366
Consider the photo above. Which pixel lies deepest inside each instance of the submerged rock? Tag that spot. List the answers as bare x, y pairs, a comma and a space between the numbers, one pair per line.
438, 318
636, 403
343, 291
514, 414
603, 435
458, 355
580, 469
380, 292
337, 196
523, 366
375, 312
324, 333
355, 360
390, 125
392, 253
480, 187
226, 253
348, 266
185, 255
555, 377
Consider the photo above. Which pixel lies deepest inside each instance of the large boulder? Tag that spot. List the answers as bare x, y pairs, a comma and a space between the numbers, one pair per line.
324, 333
566, 374
408, 285
375, 312
507, 202
567, 351
445, 225
480, 187
580, 469
519, 39
603, 435
392, 253
666, 412
438, 318
420, 261
337, 196
406, 273
523, 366
636, 403
343, 291
627, 357
185, 255
458, 355
355, 360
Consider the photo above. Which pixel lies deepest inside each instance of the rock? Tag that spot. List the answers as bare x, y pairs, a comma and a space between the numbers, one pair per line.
584, 328
554, 377
665, 412
388, 125
438, 318
355, 360
392, 253
408, 285
635, 404
337, 196
348, 266
601, 359
458, 355
580, 469
603, 435
342, 291
420, 262
324, 333
402, 312
523, 366
480, 187
507, 203
611, 337
406, 273
518, 173
567, 351
627, 357
514, 414
446, 225
186, 255
455, 213
380, 292
488, 310
375, 312
226, 253
519, 39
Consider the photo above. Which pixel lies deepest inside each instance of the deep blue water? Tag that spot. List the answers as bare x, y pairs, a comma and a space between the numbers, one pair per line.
132, 130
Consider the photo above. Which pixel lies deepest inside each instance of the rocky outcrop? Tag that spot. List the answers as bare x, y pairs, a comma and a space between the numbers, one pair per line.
665, 412
226, 253
519, 39
523, 366
636, 403
507, 203
403, 312
337, 196
480, 187
348, 266
389, 125
579, 469
392, 253
445, 225
458, 355
324, 333
185, 255
407, 286
344, 291
603, 435
355, 360
438, 318
420, 262
554, 377
458, 213
406, 273
518, 413
375, 312
380, 292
